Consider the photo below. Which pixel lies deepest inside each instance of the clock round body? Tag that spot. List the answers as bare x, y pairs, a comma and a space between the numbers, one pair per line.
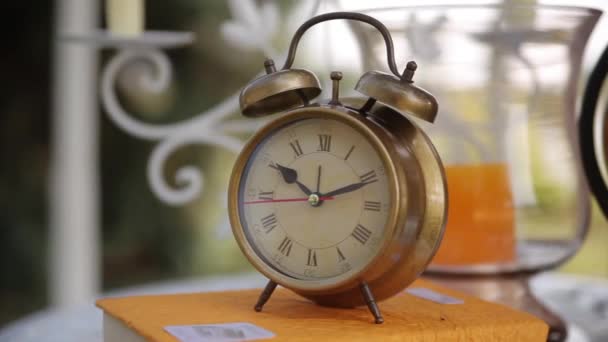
325, 198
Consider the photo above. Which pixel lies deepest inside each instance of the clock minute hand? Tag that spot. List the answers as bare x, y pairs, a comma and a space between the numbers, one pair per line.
290, 176
346, 189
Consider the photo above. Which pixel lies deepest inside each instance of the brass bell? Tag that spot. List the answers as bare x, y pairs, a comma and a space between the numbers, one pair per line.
399, 93
278, 91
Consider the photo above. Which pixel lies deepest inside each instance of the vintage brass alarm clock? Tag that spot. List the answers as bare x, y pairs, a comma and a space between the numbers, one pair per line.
342, 201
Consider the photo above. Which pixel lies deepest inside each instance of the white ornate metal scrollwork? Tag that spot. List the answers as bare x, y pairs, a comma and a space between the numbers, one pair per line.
253, 27
209, 127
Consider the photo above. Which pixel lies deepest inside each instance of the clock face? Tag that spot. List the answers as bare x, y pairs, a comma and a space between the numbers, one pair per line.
314, 200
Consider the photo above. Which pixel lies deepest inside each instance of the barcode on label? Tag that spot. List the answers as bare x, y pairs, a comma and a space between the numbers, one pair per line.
218, 332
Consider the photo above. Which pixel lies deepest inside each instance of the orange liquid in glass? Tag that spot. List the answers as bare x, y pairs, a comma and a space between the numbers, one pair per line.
481, 218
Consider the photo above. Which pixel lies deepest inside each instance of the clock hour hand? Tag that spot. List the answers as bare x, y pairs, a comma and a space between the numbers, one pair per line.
290, 176
346, 189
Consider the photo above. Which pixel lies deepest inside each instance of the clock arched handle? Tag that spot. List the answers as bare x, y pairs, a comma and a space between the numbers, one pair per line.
388, 40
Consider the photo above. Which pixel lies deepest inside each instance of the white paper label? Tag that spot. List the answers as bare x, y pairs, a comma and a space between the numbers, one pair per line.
218, 332
433, 296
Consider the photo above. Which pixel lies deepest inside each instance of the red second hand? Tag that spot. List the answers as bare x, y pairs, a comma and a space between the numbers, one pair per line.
327, 198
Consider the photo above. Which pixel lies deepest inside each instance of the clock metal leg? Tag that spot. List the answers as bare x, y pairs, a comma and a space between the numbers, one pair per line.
265, 295
371, 302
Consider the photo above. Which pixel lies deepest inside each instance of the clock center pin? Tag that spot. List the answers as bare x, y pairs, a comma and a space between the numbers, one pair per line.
314, 200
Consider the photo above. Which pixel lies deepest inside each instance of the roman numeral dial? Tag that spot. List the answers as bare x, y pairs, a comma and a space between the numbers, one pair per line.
285, 246
371, 206
266, 195
341, 256
295, 146
312, 258
350, 151
269, 222
361, 234
324, 143
313, 199
369, 177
